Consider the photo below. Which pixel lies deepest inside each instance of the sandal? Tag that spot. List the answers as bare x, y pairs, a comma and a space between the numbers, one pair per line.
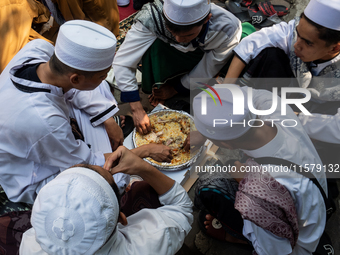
128, 124
246, 3
269, 10
240, 12
258, 19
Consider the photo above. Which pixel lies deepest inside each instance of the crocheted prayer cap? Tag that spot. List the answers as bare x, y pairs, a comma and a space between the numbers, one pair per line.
186, 12
85, 45
324, 12
216, 119
75, 213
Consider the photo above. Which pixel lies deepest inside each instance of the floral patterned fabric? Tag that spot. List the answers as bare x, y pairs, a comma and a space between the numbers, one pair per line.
151, 17
12, 226
267, 203
7, 206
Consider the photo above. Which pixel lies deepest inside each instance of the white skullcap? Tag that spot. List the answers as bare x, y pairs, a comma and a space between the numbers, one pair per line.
223, 130
85, 45
75, 213
324, 12
186, 12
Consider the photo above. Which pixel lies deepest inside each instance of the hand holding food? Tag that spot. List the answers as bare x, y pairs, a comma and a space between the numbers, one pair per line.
194, 141
160, 152
171, 129
140, 118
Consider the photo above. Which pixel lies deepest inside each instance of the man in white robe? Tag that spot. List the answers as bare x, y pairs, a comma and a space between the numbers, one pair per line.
197, 28
273, 135
79, 213
41, 89
311, 46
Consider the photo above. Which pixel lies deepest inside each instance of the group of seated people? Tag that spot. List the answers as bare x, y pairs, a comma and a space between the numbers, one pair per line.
79, 184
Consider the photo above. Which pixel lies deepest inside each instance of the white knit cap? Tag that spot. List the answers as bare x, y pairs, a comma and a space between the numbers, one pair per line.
324, 12
85, 45
220, 122
75, 213
186, 12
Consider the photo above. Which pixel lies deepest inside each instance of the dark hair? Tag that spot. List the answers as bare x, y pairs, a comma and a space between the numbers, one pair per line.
179, 28
60, 68
328, 35
116, 191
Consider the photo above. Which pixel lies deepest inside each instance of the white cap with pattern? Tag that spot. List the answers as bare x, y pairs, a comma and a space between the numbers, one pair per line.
325, 13
85, 45
186, 12
216, 120
75, 213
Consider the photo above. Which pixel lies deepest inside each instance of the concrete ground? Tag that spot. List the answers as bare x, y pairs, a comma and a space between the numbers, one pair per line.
198, 243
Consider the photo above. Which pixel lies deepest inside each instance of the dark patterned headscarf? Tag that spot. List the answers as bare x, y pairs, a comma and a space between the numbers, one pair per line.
267, 203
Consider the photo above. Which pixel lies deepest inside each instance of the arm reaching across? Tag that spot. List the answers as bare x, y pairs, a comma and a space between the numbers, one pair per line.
322, 127
158, 152
235, 70
193, 139
125, 161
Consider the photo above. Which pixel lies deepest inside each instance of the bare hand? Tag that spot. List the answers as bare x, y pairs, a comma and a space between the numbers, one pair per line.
193, 139
165, 92
154, 101
114, 132
159, 152
235, 69
140, 118
124, 161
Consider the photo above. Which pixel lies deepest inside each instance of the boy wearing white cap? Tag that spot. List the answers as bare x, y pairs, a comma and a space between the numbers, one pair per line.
79, 213
311, 46
181, 39
41, 89
260, 198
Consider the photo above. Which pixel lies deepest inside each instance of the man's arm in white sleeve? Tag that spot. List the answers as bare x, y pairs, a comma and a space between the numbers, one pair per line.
278, 36
214, 60
64, 150
136, 43
177, 211
99, 103
325, 128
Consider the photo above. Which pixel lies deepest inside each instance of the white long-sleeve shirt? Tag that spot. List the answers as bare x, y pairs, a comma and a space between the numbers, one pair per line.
149, 231
322, 80
223, 35
322, 127
35, 133
325, 88
293, 144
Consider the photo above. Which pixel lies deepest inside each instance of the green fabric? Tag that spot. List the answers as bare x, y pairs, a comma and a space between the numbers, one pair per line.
247, 29
162, 61
7, 206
